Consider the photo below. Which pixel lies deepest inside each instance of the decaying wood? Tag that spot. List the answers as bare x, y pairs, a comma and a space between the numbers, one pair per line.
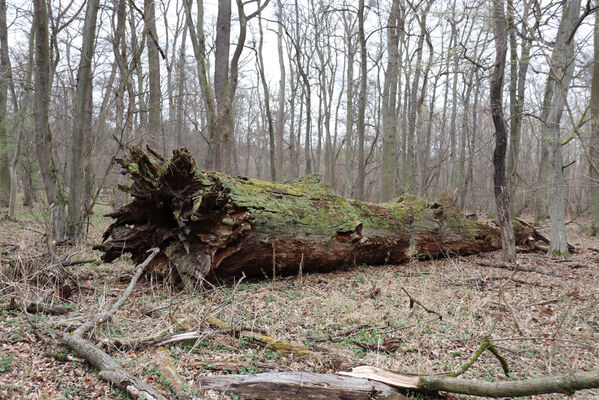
281, 346
299, 385
168, 371
110, 369
568, 383
210, 225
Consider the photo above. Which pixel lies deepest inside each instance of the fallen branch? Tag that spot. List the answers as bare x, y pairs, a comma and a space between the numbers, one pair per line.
106, 316
299, 385
568, 383
263, 340
168, 371
416, 301
511, 310
34, 308
110, 369
510, 267
485, 345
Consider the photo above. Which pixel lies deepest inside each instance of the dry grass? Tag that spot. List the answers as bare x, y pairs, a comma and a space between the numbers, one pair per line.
542, 324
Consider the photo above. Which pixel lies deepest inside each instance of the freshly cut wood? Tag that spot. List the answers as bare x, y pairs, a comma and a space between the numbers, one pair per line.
299, 385
211, 225
568, 383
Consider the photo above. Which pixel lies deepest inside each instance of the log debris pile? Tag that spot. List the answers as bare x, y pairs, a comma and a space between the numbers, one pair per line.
211, 225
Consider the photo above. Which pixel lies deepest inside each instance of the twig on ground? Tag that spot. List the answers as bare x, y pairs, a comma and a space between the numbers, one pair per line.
110, 369
510, 267
416, 301
511, 310
485, 345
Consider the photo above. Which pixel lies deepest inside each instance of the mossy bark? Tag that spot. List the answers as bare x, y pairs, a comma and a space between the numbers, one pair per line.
211, 225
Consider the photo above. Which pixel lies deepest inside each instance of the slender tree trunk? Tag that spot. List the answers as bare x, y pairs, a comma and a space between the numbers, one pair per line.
221, 83
22, 110
594, 150
271, 133
43, 139
281, 105
362, 101
413, 109
196, 34
4, 81
389, 157
349, 117
508, 246
154, 102
181, 80
81, 123
558, 82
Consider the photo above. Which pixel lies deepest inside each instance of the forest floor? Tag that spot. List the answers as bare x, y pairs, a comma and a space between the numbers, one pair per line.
542, 323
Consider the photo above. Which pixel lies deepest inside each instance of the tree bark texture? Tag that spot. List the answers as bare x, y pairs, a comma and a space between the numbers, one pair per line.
154, 101
4, 80
208, 224
81, 124
558, 82
594, 142
43, 139
389, 151
502, 198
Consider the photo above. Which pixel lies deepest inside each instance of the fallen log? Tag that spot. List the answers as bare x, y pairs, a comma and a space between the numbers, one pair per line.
568, 383
211, 225
299, 385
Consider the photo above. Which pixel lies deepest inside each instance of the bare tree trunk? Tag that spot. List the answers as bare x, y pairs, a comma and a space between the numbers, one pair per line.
21, 111
154, 107
48, 168
281, 106
221, 83
508, 248
558, 83
81, 123
4, 82
594, 150
181, 80
389, 157
413, 109
517, 97
271, 133
196, 34
349, 111
362, 101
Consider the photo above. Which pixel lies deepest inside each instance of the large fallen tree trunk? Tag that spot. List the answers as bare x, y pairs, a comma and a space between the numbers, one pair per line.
208, 224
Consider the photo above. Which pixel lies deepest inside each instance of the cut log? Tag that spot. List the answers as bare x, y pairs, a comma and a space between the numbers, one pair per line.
210, 225
299, 385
